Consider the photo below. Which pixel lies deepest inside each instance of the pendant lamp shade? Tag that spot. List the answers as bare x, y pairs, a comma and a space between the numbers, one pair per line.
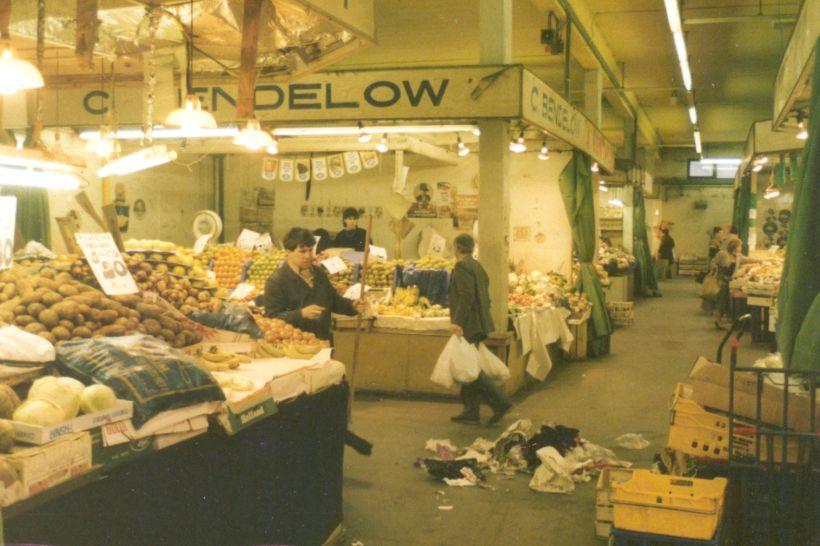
191, 116
253, 137
17, 75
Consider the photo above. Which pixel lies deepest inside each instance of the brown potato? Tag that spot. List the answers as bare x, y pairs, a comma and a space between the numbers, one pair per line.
67, 324
112, 330
81, 331
108, 316
50, 298
23, 320
61, 333
152, 326
67, 290
49, 318
170, 324
35, 328
34, 309
66, 309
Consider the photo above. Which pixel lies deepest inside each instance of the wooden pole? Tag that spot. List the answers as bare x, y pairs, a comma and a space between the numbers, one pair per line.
247, 59
85, 203
357, 338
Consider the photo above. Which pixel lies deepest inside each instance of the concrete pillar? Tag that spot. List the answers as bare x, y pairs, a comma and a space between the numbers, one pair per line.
593, 91
629, 151
495, 22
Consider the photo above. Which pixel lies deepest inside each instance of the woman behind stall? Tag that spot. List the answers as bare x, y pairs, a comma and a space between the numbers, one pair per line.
726, 263
352, 236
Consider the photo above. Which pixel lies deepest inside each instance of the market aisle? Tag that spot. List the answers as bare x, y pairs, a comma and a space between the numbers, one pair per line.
387, 501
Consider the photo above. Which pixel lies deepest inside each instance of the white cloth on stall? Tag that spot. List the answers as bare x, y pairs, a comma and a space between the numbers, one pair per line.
538, 328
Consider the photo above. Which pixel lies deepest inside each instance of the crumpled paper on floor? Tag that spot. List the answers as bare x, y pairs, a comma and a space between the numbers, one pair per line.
632, 440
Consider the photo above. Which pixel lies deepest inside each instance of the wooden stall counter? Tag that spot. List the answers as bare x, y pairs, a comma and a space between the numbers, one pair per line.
401, 361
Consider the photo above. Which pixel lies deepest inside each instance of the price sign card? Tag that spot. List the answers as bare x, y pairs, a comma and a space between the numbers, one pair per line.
334, 265
247, 239
437, 244
106, 263
378, 253
242, 291
201, 244
8, 213
264, 243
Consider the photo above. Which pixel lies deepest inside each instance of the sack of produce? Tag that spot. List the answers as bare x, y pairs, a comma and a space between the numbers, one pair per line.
233, 318
142, 369
17, 345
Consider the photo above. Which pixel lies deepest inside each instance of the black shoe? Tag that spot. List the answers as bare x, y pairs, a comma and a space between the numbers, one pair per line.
499, 413
465, 417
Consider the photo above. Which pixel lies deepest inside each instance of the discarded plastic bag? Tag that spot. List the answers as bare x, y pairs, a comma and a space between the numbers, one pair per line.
492, 365
632, 441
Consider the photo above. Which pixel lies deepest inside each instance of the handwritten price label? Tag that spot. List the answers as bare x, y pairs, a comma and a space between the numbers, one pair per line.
106, 263
378, 253
8, 214
334, 265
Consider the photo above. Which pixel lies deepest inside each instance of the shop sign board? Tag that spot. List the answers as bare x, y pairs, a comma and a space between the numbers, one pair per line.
794, 76
8, 215
106, 263
466, 92
543, 106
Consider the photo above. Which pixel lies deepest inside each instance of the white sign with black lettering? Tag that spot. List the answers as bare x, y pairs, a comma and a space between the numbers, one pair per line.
107, 264
247, 238
378, 253
242, 291
334, 265
437, 244
8, 214
201, 244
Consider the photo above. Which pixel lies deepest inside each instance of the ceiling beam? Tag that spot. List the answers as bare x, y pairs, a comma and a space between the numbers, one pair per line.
599, 55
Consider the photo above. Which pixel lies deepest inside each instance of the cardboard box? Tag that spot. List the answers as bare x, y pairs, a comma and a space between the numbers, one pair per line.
39, 468
710, 389
604, 512
108, 457
34, 434
233, 421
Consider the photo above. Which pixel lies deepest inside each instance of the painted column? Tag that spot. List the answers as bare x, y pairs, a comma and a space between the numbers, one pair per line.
494, 192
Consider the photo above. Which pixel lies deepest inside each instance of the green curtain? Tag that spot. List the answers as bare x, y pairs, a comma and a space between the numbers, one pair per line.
33, 218
798, 305
646, 281
740, 216
578, 194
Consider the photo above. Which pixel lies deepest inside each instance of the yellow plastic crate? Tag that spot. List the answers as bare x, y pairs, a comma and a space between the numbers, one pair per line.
669, 505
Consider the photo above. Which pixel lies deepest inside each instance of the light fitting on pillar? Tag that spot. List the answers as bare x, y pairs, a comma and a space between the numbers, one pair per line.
153, 156
273, 147
191, 116
771, 191
382, 146
518, 146
463, 150
544, 154
17, 75
253, 137
757, 168
595, 167
802, 133
476, 131
363, 136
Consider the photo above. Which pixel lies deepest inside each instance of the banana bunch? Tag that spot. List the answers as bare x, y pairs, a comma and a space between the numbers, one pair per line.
215, 359
301, 352
268, 350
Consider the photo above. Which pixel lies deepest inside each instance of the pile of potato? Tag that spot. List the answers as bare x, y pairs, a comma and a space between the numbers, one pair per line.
58, 308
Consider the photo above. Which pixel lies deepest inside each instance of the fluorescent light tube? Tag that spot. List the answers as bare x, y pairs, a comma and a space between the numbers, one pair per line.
721, 161
138, 161
32, 177
673, 15
698, 143
693, 115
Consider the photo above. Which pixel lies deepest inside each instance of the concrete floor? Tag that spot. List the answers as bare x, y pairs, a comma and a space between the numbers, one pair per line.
387, 501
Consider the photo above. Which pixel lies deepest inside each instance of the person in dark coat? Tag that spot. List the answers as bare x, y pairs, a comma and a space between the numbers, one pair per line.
470, 317
666, 255
352, 236
300, 292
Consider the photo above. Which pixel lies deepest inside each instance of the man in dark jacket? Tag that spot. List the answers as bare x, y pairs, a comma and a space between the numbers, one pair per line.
666, 255
300, 293
470, 316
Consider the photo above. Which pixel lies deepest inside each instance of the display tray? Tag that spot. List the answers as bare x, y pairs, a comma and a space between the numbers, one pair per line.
35, 434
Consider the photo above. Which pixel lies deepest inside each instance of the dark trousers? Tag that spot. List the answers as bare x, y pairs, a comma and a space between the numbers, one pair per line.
481, 390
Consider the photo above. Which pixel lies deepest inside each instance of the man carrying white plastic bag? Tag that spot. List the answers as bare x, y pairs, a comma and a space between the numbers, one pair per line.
464, 359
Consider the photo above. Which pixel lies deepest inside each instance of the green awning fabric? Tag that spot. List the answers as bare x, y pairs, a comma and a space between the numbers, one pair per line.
646, 282
740, 216
33, 218
578, 194
798, 305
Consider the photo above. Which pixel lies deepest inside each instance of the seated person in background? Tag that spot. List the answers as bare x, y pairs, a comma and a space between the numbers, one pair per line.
300, 292
352, 236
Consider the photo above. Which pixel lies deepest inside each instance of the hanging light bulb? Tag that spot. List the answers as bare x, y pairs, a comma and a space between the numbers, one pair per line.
382, 147
476, 131
544, 154
105, 144
191, 116
273, 147
802, 133
771, 191
363, 136
616, 203
594, 167
253, 137
602, 186
17, 75
757, 168
518, 146
463, 150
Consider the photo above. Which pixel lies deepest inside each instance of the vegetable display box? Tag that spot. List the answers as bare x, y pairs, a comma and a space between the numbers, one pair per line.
669, 505
35, 434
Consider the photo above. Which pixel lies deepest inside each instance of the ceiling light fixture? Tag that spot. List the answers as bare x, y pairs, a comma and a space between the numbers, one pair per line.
273, 147
762, 160
802, 133
463, 150
104, 144
146, 158
32, 169
544, 154
617, 203
518, 146
476, 131
602, 186
253, 137
191, 116
693, 115
771, 192
167, 133
382, 146
363, 136
17, 75
757, 168
595, 167
698, 143
730, 161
